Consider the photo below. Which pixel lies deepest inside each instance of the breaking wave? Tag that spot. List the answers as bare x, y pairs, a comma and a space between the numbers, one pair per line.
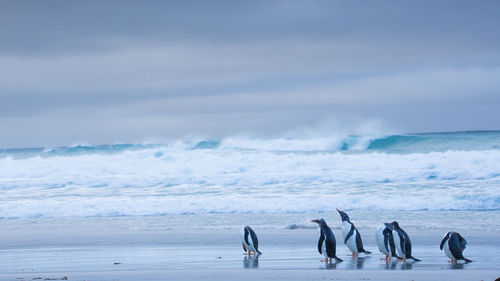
447, 171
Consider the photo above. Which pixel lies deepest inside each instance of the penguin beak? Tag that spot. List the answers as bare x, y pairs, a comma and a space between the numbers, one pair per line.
338, 210
316, 221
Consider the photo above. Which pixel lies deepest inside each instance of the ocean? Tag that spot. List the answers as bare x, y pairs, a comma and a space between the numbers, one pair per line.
457, 171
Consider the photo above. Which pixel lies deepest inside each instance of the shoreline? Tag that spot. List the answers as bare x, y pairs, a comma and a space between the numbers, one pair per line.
124, 249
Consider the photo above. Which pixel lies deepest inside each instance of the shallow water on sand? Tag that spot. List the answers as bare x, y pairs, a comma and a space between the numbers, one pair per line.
109, 258
124, 244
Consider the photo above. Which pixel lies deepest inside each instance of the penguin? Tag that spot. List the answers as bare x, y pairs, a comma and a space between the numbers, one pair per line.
352, 238
326, 242
402, 242
453, 245
385, 241
249, 241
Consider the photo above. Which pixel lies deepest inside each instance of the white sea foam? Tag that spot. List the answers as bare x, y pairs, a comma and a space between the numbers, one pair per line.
240, 178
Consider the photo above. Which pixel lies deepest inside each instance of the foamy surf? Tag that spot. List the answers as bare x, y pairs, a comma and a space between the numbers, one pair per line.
456, 171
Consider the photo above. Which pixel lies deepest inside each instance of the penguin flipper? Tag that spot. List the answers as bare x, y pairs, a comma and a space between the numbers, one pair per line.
320, 241
244, 248
351, 232
444, 240
392, 245
255, 241
387, 241
402, 243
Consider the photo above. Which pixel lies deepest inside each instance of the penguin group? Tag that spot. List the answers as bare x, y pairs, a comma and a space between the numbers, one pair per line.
392, 241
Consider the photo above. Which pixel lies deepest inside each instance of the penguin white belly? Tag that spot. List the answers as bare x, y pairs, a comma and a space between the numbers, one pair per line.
242, 235
397, 241
323, 249
447, 251
248, 246
379, 236
351, 242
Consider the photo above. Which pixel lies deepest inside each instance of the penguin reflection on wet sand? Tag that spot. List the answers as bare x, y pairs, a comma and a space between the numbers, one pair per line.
249, 241
326, 242
352, 238
251, 261
402, 242
385, 241
453, 245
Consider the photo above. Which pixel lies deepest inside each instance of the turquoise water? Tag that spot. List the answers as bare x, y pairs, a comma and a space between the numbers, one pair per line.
237, 175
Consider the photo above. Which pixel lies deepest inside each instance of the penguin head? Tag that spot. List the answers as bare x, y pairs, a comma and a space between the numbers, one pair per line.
320, 222
343, 215
395, 225
388, 225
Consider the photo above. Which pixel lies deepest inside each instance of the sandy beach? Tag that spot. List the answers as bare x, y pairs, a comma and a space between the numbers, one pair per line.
111, 249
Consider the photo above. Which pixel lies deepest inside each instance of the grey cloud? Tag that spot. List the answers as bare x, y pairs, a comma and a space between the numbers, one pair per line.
128, 70
54, 27
169, 71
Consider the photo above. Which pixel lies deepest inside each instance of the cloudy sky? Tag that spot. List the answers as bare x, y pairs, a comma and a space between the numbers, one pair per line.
128, 71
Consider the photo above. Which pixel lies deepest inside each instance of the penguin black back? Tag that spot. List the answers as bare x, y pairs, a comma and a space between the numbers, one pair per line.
349, 231
405, 241
327, 237
456, 244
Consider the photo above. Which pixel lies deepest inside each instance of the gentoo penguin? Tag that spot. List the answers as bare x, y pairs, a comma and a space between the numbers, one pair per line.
326, 242
249, 240
352, 238
385, 241
402, 242
454, 244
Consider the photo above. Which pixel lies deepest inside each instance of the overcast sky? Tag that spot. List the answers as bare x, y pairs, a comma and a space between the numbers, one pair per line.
127, 71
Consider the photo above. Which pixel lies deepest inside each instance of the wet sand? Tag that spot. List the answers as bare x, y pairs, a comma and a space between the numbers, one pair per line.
234, 274
113, 254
